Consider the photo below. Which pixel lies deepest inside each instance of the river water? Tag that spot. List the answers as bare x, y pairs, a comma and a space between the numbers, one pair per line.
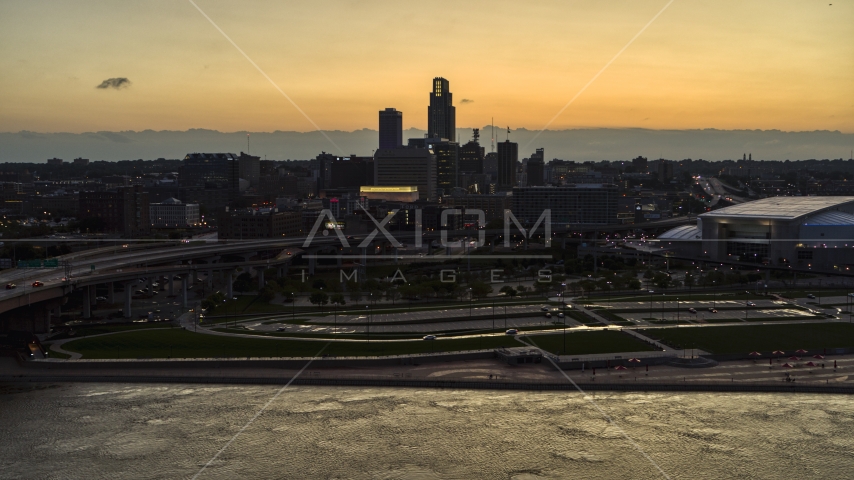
172, 431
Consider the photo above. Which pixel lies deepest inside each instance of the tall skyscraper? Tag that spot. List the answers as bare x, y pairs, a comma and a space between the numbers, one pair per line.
391, 128
536, 165
508, 157
441, 114
447, 160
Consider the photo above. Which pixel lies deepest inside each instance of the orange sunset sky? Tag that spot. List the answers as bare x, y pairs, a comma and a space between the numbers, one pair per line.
752, 64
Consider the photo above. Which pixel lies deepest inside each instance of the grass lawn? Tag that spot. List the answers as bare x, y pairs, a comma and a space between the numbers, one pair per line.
89, 330
55, 354
608, 315
763, 338
179, 343
589, 343
582, 317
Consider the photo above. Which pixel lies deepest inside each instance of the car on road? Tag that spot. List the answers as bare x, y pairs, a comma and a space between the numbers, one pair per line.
751, 304
100, 299
811, 296
713, 310
560, 315
429, 337
544, 309
10, 286
692, 310
280, 329
38, 284
548, 314
511, 331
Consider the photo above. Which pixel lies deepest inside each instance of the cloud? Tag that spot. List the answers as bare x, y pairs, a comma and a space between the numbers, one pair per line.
117, 83
466, 100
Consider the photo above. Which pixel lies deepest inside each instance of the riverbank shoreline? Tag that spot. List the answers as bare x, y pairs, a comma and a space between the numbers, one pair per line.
472, 372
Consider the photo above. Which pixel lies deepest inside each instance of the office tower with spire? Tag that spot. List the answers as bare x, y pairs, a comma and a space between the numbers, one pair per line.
471, 155
441, 114
391, 128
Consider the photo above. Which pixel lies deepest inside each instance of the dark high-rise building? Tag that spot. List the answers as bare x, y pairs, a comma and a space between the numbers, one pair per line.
640, 164
352, 172
249, 167
391, 128
471, 156
508, 157
447, 158
665, 170
441, 114
124, 211
536, 165
590, 204
220, 169
400, 167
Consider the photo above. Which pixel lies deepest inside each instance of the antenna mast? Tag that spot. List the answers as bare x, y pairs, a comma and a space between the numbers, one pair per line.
247, 145
508, 133
492, 146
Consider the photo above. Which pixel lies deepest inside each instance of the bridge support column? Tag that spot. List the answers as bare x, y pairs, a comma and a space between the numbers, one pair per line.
340, 263
312, 261
111, 293
92, 291
228, 282
184, 280
209, 280
128, 294
87, 306
260, 278
395, 256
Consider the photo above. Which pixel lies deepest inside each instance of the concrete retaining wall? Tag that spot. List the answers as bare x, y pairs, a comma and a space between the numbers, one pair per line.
468, 385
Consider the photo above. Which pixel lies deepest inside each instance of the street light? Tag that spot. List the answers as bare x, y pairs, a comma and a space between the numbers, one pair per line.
470, 302
367, 307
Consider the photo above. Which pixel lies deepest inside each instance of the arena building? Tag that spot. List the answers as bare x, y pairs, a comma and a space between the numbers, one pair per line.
808, 233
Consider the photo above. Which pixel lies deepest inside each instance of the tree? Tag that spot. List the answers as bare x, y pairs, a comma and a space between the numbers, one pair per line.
508, 290
319, 298
392, 294
480, 289
337, 299
523, 290
267, 293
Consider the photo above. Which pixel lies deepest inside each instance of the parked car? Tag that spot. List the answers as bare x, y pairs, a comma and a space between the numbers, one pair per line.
809, 295
38, 284
429, 337
692, 310
10, 286
511, 331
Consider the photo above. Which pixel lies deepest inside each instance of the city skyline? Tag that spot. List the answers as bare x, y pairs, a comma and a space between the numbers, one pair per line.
762, 65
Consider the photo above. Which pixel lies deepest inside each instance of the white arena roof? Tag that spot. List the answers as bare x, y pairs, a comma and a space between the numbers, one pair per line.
779, 208
685, 232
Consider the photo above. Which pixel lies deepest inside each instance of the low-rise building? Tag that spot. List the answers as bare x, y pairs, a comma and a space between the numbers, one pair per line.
260, 223
172, 213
